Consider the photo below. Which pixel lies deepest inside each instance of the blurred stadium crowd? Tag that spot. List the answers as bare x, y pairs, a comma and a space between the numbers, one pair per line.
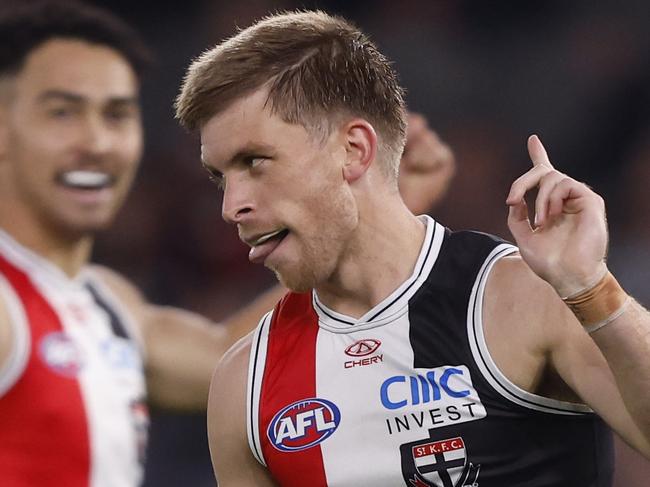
486, 74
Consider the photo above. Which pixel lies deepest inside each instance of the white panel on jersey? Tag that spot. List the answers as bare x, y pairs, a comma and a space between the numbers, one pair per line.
256, 366
112, 386
384, 402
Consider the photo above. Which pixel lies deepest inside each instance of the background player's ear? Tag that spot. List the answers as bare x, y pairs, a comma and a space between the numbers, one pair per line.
361, 148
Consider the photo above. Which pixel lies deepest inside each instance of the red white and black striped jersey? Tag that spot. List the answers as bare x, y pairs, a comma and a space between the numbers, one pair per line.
408, 394
72, 410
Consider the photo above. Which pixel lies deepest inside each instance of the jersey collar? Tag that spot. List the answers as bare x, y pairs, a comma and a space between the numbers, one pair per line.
36, 266
396, 304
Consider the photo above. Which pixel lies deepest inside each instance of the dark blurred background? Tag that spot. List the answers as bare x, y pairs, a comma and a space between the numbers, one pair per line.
486, 74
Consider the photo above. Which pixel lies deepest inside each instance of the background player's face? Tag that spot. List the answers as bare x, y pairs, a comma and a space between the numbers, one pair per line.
70, 136
282, 186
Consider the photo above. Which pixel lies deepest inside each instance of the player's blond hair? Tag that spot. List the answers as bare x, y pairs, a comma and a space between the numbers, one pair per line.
316, 67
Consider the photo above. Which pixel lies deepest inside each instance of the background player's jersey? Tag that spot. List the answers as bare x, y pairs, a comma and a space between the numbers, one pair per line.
72, 409
408, 394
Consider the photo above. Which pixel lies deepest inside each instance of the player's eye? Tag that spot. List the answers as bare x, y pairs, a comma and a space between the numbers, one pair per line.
254, 161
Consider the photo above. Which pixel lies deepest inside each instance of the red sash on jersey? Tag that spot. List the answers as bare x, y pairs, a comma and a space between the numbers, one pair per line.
43, 427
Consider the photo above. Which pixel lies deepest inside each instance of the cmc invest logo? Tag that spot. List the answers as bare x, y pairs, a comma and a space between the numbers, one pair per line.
361, 348
303, 424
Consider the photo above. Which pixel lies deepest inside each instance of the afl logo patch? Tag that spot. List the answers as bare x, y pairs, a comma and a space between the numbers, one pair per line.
303, 424
362, 348
61, 354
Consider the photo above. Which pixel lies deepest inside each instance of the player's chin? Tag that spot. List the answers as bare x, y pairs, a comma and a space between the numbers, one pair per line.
86, 224
295, 279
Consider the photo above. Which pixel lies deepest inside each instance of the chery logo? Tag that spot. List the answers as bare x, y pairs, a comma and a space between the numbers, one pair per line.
362, 348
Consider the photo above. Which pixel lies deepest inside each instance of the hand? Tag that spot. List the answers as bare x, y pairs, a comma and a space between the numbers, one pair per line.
426, 168
567, 247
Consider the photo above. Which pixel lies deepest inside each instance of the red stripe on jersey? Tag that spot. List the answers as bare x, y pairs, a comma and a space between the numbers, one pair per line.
292, 340
43, 425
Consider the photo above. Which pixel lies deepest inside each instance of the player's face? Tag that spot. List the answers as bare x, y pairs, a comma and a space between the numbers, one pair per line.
284, 190
71, 136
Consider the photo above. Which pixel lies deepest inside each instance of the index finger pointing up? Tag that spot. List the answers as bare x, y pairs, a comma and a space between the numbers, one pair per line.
537, 152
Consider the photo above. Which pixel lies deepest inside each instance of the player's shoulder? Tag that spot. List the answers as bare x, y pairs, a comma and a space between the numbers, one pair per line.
235, 360
228, 385
117, 283
515, 296
512, 276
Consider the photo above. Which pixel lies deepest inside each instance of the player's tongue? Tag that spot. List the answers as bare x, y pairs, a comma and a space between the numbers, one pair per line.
265, 245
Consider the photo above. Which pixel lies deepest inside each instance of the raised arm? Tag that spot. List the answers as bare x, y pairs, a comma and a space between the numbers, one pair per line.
182, 348
426, 168
609, 365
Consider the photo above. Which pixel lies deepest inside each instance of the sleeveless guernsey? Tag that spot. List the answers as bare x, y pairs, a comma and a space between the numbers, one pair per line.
408, 394
72, 410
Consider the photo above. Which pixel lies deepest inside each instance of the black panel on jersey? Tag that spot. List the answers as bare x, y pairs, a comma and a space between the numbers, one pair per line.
514, 445
116, 323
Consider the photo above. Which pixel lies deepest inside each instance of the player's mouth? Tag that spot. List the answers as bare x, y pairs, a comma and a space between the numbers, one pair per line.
86, 180
263, 245
89, 188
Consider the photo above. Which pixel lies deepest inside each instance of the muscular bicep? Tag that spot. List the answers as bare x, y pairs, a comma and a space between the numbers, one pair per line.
232, 460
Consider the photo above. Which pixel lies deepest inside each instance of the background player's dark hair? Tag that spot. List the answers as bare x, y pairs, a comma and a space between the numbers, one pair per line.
26, 26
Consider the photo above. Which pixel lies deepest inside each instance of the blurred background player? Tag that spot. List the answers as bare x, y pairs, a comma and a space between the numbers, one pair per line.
78, 341
82, 353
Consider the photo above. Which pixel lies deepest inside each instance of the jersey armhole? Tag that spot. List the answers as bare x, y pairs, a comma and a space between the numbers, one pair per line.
122, 312
484, 361
14, 367
256, 366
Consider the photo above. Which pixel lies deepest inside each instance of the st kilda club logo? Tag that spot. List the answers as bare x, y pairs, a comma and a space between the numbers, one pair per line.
438, 463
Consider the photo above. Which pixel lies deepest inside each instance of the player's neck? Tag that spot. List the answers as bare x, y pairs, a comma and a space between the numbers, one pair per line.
69, 253
381, 257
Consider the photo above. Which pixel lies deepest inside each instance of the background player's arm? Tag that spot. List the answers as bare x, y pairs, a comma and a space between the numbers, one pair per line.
234, 464
6, 336
182, 348
426, 168
610, 369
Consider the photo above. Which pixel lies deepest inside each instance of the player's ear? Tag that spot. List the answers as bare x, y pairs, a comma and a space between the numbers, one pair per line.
361, 148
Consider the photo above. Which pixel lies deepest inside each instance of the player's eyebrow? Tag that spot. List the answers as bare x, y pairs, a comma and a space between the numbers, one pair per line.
77, 98
210, 169
250, 149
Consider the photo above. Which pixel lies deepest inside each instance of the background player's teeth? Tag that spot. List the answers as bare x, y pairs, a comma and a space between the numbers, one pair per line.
85, 178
